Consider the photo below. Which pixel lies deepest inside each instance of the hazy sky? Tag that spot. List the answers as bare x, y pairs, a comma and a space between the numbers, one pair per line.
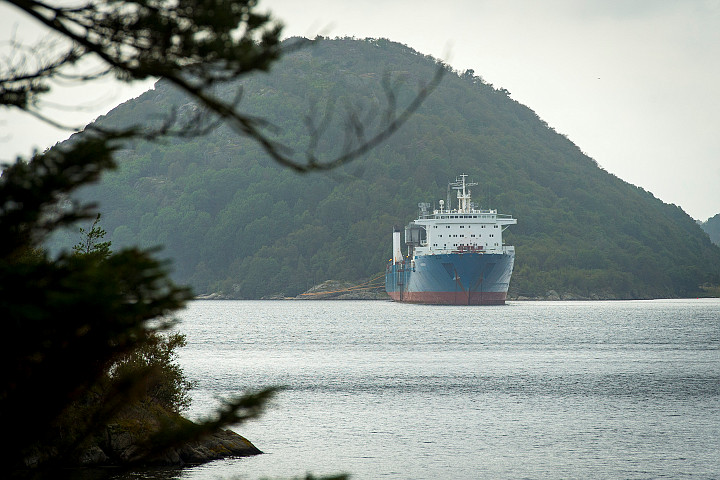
634, 83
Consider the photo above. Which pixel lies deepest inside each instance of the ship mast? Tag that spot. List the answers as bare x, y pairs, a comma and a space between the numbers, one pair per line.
463, 194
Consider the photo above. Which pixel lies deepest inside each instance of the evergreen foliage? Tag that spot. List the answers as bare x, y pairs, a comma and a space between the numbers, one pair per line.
91, 243
68, 319
164, 383
152, 363
232, 220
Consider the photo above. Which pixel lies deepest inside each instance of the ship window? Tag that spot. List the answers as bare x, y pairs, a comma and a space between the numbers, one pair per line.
462, 235
472, 235
462, 226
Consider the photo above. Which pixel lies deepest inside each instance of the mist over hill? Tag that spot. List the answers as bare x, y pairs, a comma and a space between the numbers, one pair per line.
712, 228
234, 221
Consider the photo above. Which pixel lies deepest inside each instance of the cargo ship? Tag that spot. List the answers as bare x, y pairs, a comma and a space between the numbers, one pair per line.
455, 256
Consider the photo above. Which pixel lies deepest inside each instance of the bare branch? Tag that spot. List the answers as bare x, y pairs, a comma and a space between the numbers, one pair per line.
194, 49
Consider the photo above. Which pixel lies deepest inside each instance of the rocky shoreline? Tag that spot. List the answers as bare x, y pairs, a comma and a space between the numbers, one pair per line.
122, 448
336, 290
340, 290
327, 290
127, 444
552, 295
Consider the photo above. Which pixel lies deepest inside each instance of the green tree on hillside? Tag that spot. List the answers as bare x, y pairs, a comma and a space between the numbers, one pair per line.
91, 243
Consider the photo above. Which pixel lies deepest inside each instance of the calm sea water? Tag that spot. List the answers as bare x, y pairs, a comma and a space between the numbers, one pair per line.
537, 390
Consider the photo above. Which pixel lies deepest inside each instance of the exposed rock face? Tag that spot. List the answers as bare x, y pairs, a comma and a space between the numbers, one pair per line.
336, 290
555, 296
327, 290
129, 441
218, 445
120, 447
214, 296
93, 456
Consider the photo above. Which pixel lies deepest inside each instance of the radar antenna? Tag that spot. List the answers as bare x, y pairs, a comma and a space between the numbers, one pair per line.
423, 209
463, 195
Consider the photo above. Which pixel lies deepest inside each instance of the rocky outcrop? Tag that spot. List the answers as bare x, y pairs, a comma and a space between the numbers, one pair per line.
214, 296
553, 295
123, 445
218, 445
363, 295
327, 290
336, 290
129, 442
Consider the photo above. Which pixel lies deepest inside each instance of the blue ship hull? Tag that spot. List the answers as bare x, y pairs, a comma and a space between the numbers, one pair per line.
452, 279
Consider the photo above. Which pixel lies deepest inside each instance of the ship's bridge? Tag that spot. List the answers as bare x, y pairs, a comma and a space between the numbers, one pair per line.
459, 230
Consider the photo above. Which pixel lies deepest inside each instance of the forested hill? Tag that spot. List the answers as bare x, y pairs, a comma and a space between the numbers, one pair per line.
232, 220
712, 228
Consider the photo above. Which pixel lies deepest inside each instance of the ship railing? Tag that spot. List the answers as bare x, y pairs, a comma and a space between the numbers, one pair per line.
461, 212
469, 249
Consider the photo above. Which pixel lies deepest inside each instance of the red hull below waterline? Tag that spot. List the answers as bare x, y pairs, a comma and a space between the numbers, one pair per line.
450, 298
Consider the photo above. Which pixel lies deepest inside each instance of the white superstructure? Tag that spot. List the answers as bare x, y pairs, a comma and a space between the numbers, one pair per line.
464, 229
